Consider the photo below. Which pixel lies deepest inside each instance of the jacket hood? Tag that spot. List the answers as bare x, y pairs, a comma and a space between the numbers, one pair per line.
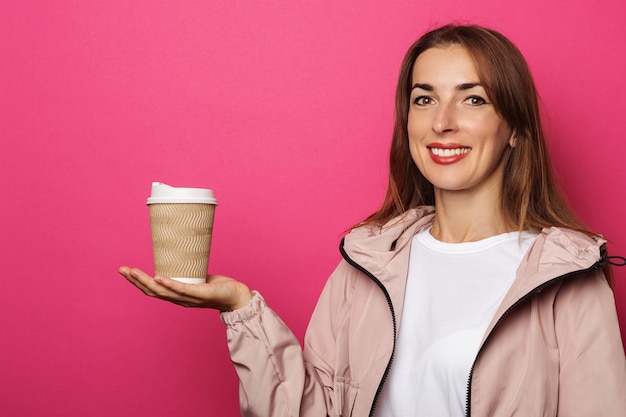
555, 253
373, 247
555, 250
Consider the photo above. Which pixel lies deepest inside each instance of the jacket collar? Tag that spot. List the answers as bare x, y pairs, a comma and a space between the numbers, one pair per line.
384, 252
555, 253
374, 247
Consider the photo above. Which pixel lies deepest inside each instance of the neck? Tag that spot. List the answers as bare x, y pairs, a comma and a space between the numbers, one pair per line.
468, 217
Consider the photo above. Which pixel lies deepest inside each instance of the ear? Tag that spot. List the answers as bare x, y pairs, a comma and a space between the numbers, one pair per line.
513, 140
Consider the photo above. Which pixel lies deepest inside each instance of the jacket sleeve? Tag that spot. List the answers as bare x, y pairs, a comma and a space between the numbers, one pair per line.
592, 379
276, 378
268, 360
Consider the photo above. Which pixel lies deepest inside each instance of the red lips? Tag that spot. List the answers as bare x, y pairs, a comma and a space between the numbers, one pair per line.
447, 153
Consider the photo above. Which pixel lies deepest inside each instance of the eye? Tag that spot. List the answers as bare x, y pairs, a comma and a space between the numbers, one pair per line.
422, 100
476, 101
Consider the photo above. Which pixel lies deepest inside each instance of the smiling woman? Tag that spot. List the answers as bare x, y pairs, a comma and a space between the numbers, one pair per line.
498, 70
456, 137
473, 290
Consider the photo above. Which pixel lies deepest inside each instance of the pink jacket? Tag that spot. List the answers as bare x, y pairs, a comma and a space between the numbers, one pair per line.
553, 348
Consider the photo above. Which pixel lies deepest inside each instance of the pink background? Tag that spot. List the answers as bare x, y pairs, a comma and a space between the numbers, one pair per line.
284, 108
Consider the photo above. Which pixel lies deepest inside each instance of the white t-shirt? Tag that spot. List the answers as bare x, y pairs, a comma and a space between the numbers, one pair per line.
452, 293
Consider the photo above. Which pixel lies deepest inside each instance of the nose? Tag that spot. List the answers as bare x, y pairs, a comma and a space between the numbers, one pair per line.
444, 119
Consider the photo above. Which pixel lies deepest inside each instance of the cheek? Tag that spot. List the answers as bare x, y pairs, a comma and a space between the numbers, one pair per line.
496, 130
413, 140
413, 119
503, 138
419, 154
416, 128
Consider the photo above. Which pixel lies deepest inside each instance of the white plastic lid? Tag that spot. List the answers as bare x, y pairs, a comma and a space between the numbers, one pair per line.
163, 193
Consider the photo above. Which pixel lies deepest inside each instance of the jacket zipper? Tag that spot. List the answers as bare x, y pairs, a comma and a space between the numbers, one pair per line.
595, 266
393, 317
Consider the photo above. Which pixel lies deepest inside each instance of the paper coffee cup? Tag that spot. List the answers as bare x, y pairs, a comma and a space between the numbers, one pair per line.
181, 221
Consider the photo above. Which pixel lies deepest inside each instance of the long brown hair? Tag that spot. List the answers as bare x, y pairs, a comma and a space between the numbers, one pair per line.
531, 196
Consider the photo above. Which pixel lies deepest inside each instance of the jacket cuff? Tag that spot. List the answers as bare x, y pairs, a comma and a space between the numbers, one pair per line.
253, 309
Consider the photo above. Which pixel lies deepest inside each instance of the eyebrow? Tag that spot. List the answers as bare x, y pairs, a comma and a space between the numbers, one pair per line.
460, 87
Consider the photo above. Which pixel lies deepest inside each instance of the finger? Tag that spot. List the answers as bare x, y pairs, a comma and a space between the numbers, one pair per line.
163, 287
133, 274
124, 270
172, 291
141, 280
207, 295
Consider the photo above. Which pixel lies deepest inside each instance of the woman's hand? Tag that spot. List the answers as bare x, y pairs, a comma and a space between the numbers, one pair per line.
219, 292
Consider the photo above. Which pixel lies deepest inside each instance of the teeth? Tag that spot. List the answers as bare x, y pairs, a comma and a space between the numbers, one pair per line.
449, 152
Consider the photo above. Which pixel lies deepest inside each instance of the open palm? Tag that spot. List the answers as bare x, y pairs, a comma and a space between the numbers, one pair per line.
219, 292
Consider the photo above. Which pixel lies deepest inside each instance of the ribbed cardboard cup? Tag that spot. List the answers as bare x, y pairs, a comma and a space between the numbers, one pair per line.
181, 221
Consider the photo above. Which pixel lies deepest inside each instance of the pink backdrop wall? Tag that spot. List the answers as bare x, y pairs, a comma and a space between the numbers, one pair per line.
284, 108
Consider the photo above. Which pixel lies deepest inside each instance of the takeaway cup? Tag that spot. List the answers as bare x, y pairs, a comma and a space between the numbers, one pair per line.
181, 221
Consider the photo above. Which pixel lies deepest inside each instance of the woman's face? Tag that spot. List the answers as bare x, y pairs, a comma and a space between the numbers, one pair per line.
456, 138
